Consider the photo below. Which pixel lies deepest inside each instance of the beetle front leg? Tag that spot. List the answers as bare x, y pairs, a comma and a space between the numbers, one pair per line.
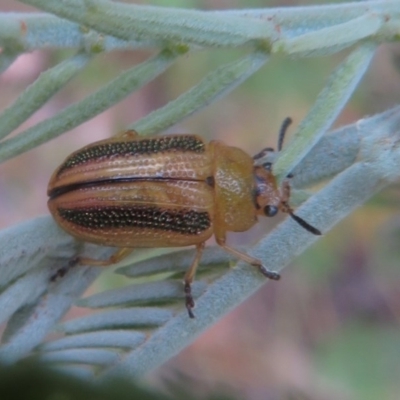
119, 255
248, 259
188, 279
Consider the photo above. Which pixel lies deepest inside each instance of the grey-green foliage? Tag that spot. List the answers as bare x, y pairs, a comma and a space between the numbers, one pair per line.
361, 159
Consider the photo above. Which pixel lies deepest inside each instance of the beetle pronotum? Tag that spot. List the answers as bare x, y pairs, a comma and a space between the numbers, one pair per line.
165, 191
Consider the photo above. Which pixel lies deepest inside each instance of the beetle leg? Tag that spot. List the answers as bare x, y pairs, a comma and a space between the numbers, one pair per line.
250, 260
64, 269
116, 257
285, 191
188, 279
119, 255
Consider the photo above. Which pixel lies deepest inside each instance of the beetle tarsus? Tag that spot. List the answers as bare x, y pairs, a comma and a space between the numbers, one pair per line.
269, 274
63, 270
190, 312
189, 302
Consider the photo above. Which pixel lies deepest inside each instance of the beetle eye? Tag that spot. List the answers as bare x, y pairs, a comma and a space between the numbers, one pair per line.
268, 166
270, 211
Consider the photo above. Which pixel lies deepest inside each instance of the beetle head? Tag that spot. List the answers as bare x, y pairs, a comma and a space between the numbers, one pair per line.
269, 198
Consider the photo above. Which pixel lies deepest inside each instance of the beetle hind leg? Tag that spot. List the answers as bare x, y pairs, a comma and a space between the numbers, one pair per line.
188, 279
250, 260
119, 255
62, 271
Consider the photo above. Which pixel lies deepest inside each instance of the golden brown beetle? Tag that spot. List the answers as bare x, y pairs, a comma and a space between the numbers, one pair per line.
165, 191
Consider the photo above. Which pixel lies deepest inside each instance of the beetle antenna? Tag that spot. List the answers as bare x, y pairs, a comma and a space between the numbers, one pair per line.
282, 132
263, 153
284, 207
304, 224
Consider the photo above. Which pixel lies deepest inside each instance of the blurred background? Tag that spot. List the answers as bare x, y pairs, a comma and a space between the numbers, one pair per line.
330, 329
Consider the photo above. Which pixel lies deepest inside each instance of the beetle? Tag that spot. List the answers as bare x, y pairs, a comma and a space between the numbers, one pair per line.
166, 191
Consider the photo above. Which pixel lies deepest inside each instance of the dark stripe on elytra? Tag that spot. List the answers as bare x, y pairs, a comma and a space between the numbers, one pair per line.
185, 221
112, 150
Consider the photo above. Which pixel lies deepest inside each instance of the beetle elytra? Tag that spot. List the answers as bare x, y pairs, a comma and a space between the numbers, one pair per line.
165, 191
